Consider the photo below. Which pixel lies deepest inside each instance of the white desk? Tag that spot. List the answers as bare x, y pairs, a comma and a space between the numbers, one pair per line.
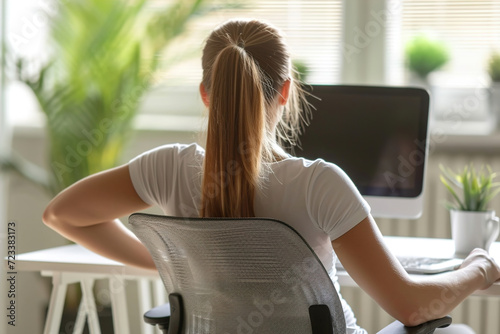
73, 263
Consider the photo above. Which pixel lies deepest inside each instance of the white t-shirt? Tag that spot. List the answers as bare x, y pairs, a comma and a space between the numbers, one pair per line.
316, 198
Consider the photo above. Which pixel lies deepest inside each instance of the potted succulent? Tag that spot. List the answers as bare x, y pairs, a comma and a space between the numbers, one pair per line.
473, 223
494, 73
423, 56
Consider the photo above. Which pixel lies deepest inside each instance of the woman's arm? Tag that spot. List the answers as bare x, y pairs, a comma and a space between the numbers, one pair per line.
367, 260
88, 211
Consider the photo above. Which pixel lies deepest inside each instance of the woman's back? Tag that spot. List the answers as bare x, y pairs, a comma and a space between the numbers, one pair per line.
314, 197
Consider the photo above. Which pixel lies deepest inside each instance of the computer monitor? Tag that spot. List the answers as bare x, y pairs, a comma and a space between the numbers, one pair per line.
378, 136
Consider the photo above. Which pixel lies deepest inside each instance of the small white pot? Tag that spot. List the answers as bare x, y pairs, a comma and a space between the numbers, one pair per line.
473, 229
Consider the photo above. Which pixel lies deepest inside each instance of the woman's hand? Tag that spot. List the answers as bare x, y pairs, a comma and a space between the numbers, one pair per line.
482, 261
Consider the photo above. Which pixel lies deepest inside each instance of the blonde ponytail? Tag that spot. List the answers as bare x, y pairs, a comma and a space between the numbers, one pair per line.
235, 130
245, 65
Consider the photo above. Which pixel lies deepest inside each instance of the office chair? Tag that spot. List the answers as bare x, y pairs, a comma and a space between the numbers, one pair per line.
245, 275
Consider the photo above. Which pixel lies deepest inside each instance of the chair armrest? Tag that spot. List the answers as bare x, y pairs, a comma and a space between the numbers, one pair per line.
159, 315
169, 317
427, 327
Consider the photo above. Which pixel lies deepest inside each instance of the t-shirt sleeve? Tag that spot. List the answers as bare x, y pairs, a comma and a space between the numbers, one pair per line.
168, 177
151, 172
333, 200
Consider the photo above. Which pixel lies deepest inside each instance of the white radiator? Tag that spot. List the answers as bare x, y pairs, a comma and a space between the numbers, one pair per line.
481, 313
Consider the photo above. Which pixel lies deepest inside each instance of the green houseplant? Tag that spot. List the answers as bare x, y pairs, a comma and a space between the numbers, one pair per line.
473, 224
471, 190
494, 73
494, 67
106, 54
301, 69
425, 55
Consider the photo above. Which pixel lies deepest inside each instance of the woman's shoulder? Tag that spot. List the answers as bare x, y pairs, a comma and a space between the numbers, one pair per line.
317, 166
308, 173
173, 150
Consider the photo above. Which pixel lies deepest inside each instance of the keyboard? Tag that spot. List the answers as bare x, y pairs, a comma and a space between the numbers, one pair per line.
423, 265
427, 265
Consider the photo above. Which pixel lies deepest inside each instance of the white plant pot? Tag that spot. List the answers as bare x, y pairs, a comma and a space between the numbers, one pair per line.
473, 229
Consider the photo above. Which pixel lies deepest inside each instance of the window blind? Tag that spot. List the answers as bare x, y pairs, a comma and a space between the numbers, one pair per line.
312, 29
470, 30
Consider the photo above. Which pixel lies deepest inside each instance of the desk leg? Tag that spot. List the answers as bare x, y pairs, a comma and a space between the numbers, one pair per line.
159, 296
144, 290
81, 315
90, 307
118, 305
56, 305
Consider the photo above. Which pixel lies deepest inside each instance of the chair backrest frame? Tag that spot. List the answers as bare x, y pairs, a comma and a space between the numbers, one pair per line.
235, 273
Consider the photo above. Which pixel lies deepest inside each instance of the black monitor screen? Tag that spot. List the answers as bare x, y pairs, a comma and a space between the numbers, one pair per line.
377, 135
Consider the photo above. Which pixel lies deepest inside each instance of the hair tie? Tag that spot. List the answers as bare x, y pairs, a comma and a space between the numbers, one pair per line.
241, 42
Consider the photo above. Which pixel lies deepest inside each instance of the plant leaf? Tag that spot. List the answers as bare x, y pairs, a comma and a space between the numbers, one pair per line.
452, 192
105, 58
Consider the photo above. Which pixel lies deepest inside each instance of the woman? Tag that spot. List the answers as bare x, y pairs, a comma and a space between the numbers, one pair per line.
248, 89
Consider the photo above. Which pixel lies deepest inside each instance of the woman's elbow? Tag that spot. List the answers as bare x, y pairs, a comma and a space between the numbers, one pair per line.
49, 217
411, 319
415, 314
54, 217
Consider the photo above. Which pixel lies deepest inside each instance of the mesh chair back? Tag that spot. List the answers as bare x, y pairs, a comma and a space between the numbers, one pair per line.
246, 275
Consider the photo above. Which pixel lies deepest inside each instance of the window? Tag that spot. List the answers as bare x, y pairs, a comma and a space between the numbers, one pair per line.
313, 30
469, 29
